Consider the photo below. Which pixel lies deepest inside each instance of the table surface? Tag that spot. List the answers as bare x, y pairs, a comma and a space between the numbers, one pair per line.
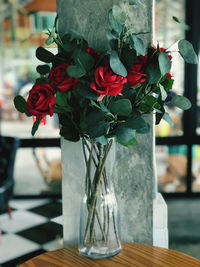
133, 254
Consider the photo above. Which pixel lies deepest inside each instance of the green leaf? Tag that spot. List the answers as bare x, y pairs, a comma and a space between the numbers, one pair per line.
113, 23
167, 84
51, 37
168, 119
42, 80
132, 142
181, 102
35, 126
176, 19
69, 134
128, 57
102, 140
124, 134
44, 55
136, 3
68, 47
187, 52
119, 15
61, 102
110, 36
76, 71
138, 124
43, 69
99, 129
85, 60
116, 65
138, 44
94, 117
163, 93
164, 63
85, 91
103, 107
153, 73
121, 107
20, 104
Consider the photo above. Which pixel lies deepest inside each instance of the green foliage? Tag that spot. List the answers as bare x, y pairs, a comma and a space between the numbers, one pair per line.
125, 134
116, 64
187, 52
76, 71
44, 55
43, 69
181, 102
113, 23
35, 126
83, 88
138, 124
99, 129
121, 107
164, 63
119, 15
138, 44
20, 104
168, 119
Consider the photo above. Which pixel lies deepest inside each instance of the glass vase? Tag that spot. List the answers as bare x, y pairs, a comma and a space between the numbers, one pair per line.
99, 218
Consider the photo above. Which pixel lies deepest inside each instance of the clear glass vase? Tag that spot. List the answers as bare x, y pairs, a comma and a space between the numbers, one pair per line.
99, 218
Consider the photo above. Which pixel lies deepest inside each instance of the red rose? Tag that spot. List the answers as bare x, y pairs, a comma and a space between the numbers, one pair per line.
59, 78
107, 82
41, 100
136, 74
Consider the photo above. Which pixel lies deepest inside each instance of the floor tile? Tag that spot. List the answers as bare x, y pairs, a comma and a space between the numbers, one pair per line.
13, 246
21, 220
49, 210
23, 258
43, 233
58, 220
25, 204
52, 245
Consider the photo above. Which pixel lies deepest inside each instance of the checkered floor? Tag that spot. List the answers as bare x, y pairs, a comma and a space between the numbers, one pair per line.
35, 227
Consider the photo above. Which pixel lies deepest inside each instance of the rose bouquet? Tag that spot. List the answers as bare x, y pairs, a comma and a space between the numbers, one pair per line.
98, 96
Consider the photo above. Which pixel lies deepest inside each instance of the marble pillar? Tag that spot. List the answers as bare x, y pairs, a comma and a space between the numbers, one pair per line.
134, 174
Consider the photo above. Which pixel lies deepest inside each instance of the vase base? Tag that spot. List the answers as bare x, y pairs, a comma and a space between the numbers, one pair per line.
98, 251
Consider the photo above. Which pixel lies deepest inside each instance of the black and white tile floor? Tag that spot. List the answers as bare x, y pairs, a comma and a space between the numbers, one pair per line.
35, 227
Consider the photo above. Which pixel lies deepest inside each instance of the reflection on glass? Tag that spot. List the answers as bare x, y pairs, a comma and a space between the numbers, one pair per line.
167, 31
37, 171
171, 168
196, 168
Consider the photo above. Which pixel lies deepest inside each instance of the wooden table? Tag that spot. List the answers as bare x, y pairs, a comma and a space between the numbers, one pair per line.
133, 254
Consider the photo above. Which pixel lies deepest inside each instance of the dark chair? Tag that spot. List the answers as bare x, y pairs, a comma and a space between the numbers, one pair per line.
8, 148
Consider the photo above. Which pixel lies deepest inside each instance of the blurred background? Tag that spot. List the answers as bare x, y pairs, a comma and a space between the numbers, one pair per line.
37, 172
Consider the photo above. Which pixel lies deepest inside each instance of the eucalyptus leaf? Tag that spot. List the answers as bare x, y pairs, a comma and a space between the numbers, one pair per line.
176, 19
43, 69
113, 23
153, 73
85, 91
124, 134
168, 119
20, 104
163, 93
122, 107
99, 129
138, 44
35, 126
187, 52
119, 15
138, 124
116, 64
44, 55
132, 142
181, 102
76, 71
164, 63
85, 60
